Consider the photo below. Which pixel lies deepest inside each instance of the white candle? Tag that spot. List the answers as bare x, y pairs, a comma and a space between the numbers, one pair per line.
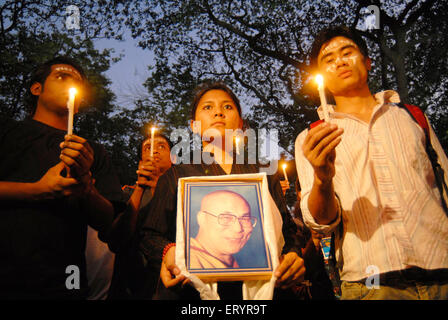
323, 100
71, 109
153, 129
237, 143
284, 172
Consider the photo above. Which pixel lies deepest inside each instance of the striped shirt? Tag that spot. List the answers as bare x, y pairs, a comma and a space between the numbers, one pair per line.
392, 216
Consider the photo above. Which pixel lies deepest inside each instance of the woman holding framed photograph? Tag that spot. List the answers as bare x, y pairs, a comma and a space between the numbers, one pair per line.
215, 109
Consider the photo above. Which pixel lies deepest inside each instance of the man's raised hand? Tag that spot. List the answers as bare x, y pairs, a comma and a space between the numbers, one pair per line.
77, 154
53, 185
319, 148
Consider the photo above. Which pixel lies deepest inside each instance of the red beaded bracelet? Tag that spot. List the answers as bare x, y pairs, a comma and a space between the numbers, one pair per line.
167, 247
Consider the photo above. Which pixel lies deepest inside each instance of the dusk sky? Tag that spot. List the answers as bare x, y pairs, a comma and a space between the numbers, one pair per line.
130, 72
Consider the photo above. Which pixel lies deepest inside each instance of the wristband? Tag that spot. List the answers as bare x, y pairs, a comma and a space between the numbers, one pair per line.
167, 247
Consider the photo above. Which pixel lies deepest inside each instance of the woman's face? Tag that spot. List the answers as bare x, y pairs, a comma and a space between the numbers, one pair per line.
216, 112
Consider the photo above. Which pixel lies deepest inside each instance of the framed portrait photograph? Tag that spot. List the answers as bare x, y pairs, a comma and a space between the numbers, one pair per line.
223, 227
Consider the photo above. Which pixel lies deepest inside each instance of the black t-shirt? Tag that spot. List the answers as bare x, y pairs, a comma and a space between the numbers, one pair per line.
40, 239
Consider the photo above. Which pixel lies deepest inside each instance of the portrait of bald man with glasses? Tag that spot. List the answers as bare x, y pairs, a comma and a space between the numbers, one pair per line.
225, 225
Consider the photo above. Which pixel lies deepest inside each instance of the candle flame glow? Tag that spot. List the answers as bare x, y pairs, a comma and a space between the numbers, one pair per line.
284, 171
237, 141
72, 92
152, 141
319, 80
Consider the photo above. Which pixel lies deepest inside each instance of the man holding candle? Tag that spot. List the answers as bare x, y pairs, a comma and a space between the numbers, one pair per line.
52, 185
284, 183
132, 277
155, 159
366, 176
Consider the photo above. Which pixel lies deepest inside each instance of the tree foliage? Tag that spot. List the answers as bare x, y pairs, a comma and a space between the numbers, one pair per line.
260, 47
32, 32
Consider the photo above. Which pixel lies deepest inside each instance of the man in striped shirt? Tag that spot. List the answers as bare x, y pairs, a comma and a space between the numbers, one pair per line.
366, 176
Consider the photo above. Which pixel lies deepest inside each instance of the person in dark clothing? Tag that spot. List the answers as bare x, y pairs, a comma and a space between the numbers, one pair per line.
52, 185
133, 278
216, 107
318, 286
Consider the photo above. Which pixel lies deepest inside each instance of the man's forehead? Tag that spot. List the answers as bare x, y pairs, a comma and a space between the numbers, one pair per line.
156, 140
67, 69
336, 43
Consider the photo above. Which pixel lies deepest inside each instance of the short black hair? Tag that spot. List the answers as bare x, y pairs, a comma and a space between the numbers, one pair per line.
41, 73
212, 85
327, 34
156, 134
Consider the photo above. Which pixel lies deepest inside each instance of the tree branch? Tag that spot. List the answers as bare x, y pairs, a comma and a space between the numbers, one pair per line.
418, 13
252, 41
406, 10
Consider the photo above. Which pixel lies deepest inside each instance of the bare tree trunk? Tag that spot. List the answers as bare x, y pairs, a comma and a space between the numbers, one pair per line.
402, 81
397, 55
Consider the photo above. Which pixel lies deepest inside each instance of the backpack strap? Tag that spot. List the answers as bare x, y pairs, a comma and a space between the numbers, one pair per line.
418, 116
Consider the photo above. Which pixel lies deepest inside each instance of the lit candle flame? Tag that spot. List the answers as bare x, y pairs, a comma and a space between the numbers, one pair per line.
71, 109
319, 80
323, 101
72, 92
237, 141
153, 129
284, 172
